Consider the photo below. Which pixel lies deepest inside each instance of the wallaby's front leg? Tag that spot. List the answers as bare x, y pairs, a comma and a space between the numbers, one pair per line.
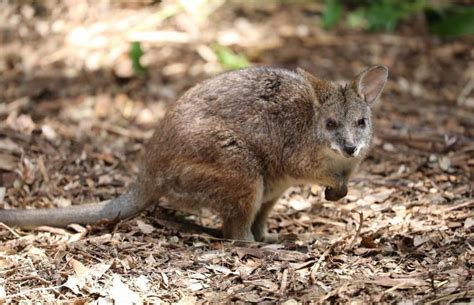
260, 227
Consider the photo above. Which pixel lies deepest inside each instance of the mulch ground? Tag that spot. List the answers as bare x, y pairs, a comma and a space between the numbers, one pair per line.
74, 119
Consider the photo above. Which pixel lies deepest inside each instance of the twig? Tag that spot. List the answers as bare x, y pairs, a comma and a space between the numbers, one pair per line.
451, 297
14, 106
317, 265
31, 277
399, 285
26, 292
361, 221
458, 206
461, 100
284, 282
123, 131
10, 229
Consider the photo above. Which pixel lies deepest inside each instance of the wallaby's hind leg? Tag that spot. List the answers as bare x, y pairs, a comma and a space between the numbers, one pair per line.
239, 216
259, 226
237, 228
234, 194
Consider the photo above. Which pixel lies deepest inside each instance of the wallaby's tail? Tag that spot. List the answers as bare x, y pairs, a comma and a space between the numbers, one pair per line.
119, 208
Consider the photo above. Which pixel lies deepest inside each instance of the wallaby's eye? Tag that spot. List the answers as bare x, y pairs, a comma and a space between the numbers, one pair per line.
361, 123
331, 124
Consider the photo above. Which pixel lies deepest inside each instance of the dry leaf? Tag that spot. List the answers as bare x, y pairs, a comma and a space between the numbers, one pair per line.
468, 223
2, 194
145, 228
3, 293
8, 145
77, 281
403, 283
79, 268
8, 162
187, 300
98, 270
62, 202
219, 269
299, 204
142, 282
122, 294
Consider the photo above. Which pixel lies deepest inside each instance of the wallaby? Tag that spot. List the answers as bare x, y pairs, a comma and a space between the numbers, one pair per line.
236, 142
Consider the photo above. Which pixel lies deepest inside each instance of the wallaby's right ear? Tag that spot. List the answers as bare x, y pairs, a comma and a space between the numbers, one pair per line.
370, 83
322, 88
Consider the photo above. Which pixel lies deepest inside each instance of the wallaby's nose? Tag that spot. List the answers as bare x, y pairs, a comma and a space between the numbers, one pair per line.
350, 150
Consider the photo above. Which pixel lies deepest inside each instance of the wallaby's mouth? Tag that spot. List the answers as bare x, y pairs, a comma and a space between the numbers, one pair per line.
347, 152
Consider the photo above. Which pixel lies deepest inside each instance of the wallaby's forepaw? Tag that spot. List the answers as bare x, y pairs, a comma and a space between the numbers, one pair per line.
334, 194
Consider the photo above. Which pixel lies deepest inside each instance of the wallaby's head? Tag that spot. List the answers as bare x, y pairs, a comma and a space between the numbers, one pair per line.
344, 116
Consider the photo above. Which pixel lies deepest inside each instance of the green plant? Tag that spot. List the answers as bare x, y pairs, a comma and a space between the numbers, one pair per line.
230, 60
451, 22
332, 13
448, 20
135, 54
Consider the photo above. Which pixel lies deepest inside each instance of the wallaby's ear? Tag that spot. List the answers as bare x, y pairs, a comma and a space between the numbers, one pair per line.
370, 83
322, 88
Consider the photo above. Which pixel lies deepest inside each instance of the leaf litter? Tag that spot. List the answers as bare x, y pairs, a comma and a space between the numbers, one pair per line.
403, 233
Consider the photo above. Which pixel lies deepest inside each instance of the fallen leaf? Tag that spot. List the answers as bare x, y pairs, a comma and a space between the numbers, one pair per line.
49, 132
73, 282
469, 222
365, 251
8, 162
418, 240
79, 268
299, 204
144, 227
122, 294
219, 269
195, 286
8, 145
242, 252
264, 283
98, 270
389, 147
399, 283
445, 163
2, 194
3, 294
187, 300
77, 281
368, 242
142, 282
62, 202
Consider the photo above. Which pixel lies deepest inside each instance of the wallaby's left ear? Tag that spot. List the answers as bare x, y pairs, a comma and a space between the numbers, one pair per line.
370, 83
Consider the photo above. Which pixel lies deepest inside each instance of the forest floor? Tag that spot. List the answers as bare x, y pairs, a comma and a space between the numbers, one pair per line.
74, 119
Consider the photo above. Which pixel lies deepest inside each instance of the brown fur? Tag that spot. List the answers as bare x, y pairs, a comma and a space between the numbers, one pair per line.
235, 142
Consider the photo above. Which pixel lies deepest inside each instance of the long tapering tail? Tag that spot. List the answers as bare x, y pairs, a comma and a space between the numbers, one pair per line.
121, 207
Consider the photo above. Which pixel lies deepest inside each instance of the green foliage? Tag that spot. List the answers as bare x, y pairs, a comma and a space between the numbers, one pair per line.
455, 21
357, 19
332, 13
135, 54
230, 60
385, 15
